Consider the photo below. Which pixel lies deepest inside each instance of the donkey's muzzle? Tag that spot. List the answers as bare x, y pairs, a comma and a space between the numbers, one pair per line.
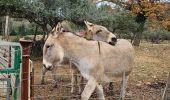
48, 67
113, 41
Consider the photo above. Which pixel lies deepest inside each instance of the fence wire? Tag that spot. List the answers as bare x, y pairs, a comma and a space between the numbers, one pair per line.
7, 80
48, 91
4, 60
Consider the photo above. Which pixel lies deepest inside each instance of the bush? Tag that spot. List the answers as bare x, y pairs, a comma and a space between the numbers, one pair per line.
156, 35
13, 33
15, 39
70, 26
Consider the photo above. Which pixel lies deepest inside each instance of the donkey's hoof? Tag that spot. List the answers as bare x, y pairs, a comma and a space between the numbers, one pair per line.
55, 85
42, 83
72, 91
79, 92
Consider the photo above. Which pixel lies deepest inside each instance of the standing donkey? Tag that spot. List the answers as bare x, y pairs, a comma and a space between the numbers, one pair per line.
93, 32
109, 65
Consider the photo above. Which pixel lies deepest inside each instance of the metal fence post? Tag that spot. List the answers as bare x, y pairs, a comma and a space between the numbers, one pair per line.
32, 82
26, 46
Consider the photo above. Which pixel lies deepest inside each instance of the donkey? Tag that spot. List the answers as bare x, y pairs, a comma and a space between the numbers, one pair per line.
93, 32
97, 66
98, 33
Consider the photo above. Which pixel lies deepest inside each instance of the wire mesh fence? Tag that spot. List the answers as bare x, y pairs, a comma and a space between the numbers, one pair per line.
48, 91
9, 69
5, 88
5, 80
5, 58
45, 91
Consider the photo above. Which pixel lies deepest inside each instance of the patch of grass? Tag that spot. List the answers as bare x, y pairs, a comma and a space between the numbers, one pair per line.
10, 38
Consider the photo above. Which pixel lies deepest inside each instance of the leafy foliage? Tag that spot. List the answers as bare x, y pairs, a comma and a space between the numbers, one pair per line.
157, 10
156, 35
154, 10
50, 12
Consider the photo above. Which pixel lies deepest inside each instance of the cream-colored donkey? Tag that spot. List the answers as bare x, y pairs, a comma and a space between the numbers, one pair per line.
110, 64
98, 33
93, 32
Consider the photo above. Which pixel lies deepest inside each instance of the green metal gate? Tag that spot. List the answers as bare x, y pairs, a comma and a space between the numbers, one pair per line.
10, 68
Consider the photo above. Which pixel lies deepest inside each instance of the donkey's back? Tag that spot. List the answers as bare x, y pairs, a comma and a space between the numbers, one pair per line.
117, 59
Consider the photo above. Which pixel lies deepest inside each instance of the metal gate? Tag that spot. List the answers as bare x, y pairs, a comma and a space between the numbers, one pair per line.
10, 59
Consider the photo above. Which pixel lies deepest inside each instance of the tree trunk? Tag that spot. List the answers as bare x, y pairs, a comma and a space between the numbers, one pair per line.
37, 48
6, 34
45, 30
3, 28
35, 33
137, 39
140, 19
6, 25
138, 36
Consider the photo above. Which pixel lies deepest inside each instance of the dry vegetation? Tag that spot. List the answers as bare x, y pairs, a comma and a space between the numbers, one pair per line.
152, 64
146, 82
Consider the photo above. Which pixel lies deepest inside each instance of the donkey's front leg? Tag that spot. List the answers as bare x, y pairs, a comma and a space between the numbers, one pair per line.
89, 89
80, 82
73, 77
44, 70
54, 77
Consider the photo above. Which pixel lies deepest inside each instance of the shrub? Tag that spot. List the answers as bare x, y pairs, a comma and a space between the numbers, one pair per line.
156, 35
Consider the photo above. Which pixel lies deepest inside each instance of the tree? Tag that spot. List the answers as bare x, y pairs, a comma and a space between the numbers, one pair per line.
43, 12
50, 12
145, 9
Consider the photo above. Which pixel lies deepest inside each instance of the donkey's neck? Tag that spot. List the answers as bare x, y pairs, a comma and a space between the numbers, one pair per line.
74, 59
74, 48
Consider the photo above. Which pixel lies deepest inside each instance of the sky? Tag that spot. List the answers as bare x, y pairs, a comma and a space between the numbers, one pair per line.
113, 5
106, 3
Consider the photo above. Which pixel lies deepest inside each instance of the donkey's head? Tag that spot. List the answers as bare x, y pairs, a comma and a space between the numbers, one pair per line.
99, 33
52, 52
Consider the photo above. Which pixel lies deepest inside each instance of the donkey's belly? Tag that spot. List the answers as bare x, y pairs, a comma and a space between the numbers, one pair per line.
86, 76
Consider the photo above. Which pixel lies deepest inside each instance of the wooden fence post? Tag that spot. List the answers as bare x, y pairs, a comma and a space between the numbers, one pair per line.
26, 46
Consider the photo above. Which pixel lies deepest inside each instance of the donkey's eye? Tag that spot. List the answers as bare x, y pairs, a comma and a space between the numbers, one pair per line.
47, 46
98, 31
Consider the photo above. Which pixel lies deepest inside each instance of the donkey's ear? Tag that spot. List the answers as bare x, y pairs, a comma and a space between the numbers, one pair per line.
53, 30
88, 24
58, 27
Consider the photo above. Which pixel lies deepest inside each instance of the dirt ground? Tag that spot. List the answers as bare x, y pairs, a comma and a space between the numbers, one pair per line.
146, 82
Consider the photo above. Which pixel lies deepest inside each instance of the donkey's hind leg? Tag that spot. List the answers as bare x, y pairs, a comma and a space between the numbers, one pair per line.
44, 70
100, 92
89, 89
123, 86
74, 73
111, 88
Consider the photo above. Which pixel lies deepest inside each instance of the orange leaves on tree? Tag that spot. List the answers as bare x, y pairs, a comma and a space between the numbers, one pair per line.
152, 9
166, 23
